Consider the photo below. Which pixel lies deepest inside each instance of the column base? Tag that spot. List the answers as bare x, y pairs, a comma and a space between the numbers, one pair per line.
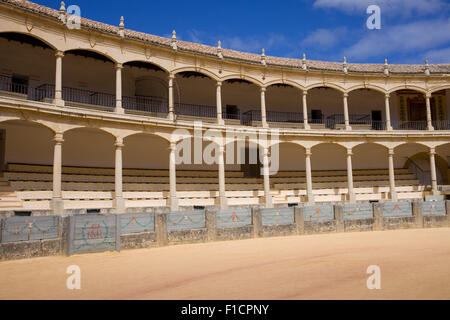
223, 203
351, 198
221, 122
430, 128
171, 116
173, 203
57, 206
306, 126
348, 128
119, 205
310, 198
389, 128
119, 110
59, 102
269, 203
394, 196
265, 125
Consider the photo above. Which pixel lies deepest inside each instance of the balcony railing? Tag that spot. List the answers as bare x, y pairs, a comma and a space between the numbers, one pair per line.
195, 110
409, 125
145, 104
441, 124
77, 95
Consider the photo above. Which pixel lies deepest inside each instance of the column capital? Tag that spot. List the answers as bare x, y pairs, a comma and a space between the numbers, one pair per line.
58, 138
305, 92
345, 94
387, 95
119, 142
171, 76
428, 95
263, 89
349, 152
308, 152
432, 151
221, 149
172, 146
59, 54
391, 151
119, 66
219, 83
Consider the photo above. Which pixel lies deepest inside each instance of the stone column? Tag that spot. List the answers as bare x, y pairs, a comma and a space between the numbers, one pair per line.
119, 108
339, 218
429, 119
434, 187
119, 203
219, 103
378, 219
388, 112
266, 174
59, 102
263, 108
309, 186
351, 193
57, 202
393, 192
305, 110
173, 200
171, 115
257, 222
222, 191
299, 218
346, 117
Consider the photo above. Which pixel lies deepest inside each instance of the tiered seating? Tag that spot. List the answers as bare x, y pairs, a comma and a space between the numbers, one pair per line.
94, 187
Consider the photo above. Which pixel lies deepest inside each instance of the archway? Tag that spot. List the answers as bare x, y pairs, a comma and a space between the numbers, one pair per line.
20, 75
284, 105
325, 105
366, 109
241, 101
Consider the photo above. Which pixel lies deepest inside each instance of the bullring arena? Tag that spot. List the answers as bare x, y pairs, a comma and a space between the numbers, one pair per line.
119, 139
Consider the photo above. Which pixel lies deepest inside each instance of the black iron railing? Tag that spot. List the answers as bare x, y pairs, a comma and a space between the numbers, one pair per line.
145, 104
441, 124
409, 125
231, 115
195, 110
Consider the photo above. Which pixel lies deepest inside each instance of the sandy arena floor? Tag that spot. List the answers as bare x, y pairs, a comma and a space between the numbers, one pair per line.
415, 264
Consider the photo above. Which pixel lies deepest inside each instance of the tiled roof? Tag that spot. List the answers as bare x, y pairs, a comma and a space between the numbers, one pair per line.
233, 54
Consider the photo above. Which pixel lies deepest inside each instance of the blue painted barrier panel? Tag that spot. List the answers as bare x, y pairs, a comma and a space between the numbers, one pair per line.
397, 209
94, 233
319, 213
277, 216
185, 220
137, 223
16, 229
433, 208
234, 218
358, 211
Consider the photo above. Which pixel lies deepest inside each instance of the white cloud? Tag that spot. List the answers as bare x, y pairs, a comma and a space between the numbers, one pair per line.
322, 39
388, 7
405, 38
438, 55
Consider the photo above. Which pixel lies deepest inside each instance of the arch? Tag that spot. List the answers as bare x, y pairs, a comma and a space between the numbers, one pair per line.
200, 70
368, 86
370, 156
95, 52
410, 87
243, 77
161, 136
342, 145
436, 89
144, 150
102, 130
160, 67
18, 119
285, 82
44, 41
412, 143
323, 152
327, 85
360, 143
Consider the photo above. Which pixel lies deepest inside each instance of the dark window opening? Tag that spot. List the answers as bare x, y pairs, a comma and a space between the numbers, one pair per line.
316, 116
92, 211
199, 208
22, 213
19, 84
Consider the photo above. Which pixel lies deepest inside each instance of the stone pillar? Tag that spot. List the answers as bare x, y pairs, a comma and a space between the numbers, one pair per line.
222, 191
434, 187
162, 237
309, 185
429, 119
211, 223
417, 213
220, 121
171, 115
393, 191
257, 222
378, 217
57, 201
351, 192
119, 203
299, 218
59, 102
346, 116
119, 108
339, 218
305, 110
266, 174
263, 108
173, 200
388, 112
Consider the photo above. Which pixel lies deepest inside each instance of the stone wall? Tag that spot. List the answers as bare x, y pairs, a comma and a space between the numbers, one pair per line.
162, 237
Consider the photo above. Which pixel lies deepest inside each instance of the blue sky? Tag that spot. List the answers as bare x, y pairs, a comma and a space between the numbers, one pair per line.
411, 30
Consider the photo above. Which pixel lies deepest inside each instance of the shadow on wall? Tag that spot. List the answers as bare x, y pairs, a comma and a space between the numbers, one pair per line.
419, 164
